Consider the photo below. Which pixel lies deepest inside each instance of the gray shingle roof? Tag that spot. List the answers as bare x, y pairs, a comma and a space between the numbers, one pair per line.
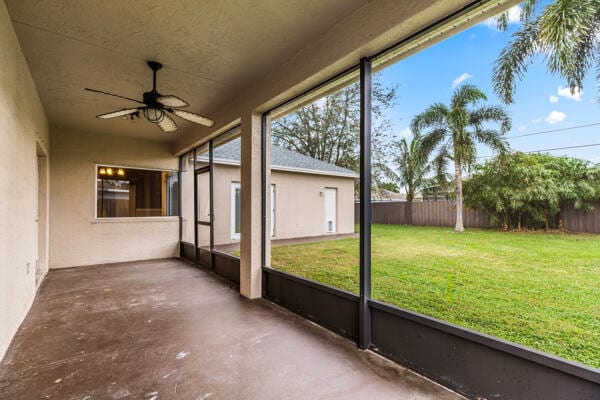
283, 159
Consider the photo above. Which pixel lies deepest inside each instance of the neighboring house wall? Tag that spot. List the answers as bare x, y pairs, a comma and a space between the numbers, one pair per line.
23, 135
300, 204
224, 176
77, 238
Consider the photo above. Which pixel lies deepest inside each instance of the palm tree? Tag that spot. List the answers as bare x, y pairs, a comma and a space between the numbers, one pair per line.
566, 34
455, 129
412, 165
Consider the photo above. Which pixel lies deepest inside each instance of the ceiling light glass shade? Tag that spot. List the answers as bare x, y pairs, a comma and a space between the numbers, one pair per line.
102, 171
154, 115
121, 172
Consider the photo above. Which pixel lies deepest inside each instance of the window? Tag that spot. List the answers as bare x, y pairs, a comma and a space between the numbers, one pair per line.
236, 210
128, 192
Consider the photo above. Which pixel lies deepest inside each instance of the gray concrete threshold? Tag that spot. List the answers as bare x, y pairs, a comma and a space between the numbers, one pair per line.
167, 330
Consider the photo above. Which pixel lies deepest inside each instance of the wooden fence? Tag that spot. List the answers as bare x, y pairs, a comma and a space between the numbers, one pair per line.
426, 213
443, 213
580, 221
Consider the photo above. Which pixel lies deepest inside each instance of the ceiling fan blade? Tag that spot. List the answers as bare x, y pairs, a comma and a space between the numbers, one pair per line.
167, 124
172, 101
193, 117
118, 113
114, 95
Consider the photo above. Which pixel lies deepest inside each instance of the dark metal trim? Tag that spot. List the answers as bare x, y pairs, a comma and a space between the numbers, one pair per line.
547, 360
331, 308
226, 265
187, 251
205, 223
202, 170
364, 313
211, 204
180, 199
263, 204
263, 188
322, 287
195, 210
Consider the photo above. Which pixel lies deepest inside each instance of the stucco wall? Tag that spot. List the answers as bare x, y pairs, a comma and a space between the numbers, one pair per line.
224, 176
76, 237
300, 204
22, 125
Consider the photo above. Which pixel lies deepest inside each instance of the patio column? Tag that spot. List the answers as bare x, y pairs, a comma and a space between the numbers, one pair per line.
250, 238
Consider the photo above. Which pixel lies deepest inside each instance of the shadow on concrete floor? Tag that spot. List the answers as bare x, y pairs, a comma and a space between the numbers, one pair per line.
167, 330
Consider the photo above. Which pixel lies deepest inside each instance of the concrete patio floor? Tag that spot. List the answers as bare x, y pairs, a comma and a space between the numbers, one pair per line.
168, 330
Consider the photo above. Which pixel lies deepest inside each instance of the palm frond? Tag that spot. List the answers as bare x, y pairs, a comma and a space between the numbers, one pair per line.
433, 117
493, 139
495, 114
466, 94
513, 61
565, 34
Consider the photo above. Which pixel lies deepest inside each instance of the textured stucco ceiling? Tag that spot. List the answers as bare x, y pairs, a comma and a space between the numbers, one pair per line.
211, 49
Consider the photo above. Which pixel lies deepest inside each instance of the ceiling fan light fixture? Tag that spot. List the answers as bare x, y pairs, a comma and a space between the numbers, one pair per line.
154, 114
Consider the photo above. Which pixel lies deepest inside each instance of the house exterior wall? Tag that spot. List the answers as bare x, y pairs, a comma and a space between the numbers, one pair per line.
300, 205
76, 236
23, 133
224, 175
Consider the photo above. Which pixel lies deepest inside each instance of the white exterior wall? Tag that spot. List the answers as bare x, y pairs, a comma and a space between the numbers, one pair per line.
76, 237
23, 126
300, 203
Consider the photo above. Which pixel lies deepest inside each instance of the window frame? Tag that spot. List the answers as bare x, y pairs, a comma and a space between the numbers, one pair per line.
127, 219
234, 187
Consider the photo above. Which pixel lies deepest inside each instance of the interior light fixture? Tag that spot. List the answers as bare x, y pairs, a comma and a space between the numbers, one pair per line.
154, 114
109, 172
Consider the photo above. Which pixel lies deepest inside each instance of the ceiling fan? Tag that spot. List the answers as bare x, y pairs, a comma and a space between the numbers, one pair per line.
156, 107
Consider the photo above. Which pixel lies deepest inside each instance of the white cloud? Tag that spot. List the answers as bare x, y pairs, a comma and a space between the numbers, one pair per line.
406, 132
522, 128
566, 92
461, 79
537, 120
514, 17
555, 117
553, 99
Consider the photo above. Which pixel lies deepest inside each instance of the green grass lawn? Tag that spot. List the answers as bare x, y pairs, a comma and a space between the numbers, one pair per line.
538, 290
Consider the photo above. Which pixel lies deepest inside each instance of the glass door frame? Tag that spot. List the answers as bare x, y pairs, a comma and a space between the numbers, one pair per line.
206, 169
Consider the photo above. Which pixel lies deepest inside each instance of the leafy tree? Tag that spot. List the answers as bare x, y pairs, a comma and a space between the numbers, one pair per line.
329, 129
453, 131
412, 165
391, 186
438, 187
566, 34
530, 189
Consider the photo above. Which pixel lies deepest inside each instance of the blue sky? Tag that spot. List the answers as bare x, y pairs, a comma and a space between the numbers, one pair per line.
540, 105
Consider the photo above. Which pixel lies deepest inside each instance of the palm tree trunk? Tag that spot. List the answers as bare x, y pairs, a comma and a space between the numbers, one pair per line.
459, 201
